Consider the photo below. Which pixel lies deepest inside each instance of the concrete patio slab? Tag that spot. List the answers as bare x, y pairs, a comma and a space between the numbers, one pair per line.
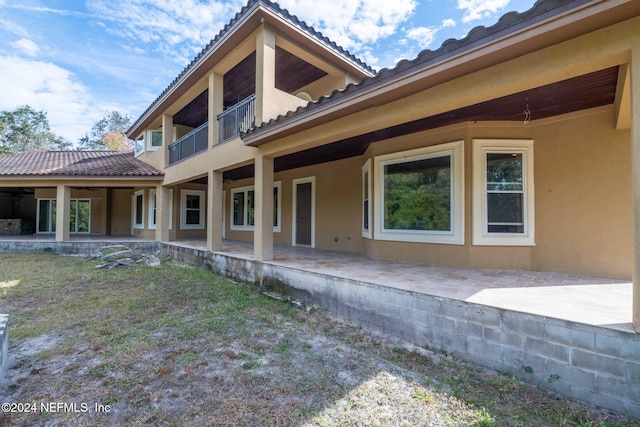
593, 301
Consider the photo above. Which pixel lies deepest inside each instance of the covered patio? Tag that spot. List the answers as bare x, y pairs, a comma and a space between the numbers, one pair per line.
593, 301
596, 301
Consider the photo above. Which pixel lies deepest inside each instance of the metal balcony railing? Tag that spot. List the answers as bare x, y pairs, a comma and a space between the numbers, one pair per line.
237, 118
190, 144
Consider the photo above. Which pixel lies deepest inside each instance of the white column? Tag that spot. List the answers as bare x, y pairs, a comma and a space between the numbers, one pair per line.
263, 193
63, 201
635, 165
214, 211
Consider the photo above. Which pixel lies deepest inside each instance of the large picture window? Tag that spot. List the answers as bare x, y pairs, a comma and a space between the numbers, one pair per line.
243, 205
421, 195
503, 192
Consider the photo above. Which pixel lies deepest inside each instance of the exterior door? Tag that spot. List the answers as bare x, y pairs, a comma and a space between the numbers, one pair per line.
304, 212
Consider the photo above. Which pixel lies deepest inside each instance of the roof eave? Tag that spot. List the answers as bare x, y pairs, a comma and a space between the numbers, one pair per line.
545, 30
32, 177
243, 25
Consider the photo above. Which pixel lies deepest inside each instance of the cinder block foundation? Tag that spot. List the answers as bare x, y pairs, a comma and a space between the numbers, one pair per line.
593, 364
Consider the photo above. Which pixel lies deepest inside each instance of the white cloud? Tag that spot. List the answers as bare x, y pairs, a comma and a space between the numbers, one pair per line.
28, 47
173, 29
448, 23
423, 36
350, 23
478, 9
46, 86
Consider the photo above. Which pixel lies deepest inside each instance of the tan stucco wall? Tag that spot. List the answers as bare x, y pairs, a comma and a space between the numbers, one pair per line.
583, 192
120, 212
582, 196
337, 190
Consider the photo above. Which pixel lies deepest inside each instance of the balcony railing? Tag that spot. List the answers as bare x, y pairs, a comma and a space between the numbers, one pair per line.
190, 144
236, 119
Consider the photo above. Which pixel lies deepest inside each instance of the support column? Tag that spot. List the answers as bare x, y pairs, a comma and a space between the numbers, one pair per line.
635, 171
265, 72
163, 204
167, 137
263, 194
63, 202
215, 106
215, 210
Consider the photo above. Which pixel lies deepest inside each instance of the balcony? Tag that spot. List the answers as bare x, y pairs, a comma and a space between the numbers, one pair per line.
190, 144
237, 119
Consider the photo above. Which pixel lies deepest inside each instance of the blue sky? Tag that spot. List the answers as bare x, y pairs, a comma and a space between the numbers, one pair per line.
78, 59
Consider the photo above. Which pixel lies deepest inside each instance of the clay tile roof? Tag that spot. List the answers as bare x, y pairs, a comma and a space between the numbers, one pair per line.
76, 163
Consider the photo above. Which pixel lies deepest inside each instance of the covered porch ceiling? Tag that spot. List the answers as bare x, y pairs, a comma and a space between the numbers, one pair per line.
292, 74
579, 93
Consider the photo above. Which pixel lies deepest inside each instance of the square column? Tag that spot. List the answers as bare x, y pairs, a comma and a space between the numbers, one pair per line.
635, 172
265, 73
163, 204
215, 106
215, 210
63, 208
167, 138
263, 227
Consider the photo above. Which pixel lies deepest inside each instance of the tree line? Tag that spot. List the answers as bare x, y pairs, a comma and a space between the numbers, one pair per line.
25, 129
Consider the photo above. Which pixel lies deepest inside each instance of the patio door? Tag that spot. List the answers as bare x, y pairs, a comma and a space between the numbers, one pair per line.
79, 216
304, 212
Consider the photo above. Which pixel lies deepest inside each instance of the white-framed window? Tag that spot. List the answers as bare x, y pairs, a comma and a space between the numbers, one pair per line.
420, 195
503, 192
139, 144
153, 206
155, 140
192, 209
79, 216
366, 199
138, 209
243, 207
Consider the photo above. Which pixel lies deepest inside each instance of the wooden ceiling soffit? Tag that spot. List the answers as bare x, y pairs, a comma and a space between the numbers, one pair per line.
579, 93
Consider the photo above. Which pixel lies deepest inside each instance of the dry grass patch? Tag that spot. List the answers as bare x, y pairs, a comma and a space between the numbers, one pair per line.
175, 345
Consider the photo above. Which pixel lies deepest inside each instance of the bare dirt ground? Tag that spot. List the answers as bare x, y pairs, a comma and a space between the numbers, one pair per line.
178, 346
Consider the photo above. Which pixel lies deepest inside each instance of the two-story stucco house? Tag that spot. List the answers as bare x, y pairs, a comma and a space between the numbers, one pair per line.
511, 148
514, 148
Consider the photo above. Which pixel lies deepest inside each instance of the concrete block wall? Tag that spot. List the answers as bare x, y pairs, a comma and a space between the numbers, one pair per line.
592, 364
4, 345
74, 248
